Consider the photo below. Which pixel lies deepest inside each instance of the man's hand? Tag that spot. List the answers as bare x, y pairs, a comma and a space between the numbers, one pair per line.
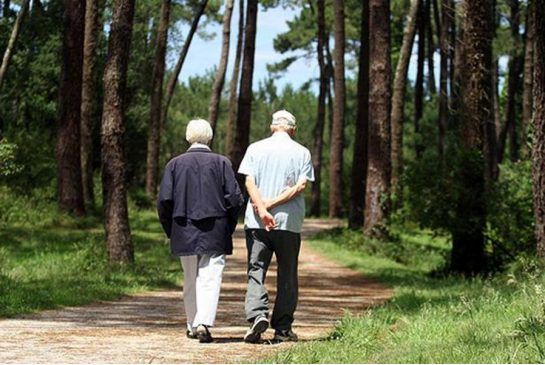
267, 219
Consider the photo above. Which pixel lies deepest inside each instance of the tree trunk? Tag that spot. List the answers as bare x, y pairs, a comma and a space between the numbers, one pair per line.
513, 82
337, 132
476, 97
244, 113
176, 73
116, 218
527, 104
398, 98
213, 108
359, 160
232, 112
538, 149
379, 165
447, 17
419, 83
154, 133
5, 8
68, 134
320, 119
8, 53
88, 95
430, 50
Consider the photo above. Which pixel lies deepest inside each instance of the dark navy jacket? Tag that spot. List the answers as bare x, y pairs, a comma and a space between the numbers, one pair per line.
199, 201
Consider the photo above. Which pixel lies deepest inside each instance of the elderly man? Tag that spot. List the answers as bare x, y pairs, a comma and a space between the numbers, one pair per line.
198, 205
277, 170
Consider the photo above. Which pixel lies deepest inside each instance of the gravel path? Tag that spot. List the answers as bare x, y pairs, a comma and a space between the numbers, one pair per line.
149, 328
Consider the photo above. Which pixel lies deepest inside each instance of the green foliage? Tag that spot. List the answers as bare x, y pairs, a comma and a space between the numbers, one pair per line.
433, 319
8, 164
510, 212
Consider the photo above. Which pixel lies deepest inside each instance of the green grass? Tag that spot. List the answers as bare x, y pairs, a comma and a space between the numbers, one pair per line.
49, 259
431, 318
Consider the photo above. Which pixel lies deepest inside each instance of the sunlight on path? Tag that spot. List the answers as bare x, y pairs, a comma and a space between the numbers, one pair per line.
150, 327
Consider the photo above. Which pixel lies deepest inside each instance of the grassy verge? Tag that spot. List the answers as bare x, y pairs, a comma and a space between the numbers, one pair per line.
48, 259
430, 319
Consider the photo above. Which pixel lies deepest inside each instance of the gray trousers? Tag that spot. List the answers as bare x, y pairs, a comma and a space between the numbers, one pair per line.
261, 245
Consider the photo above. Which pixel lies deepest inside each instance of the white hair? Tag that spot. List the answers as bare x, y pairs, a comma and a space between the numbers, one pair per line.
283, 118
198, 131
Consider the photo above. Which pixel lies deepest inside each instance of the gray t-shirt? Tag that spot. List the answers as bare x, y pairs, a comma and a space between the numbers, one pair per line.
277, 163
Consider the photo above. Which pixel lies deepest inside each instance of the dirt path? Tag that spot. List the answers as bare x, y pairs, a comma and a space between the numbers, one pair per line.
150, 327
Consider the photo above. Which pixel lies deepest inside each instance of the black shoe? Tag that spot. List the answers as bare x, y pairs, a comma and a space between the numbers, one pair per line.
190, 334
203, 334
260, 325
285, 336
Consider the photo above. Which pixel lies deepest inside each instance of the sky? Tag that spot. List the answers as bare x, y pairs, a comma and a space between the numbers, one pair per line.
204, 54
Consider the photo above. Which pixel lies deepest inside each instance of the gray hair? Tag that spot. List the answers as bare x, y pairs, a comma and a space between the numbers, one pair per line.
283, 118
198, 131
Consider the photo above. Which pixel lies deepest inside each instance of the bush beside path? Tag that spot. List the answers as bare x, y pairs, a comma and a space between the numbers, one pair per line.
150, 327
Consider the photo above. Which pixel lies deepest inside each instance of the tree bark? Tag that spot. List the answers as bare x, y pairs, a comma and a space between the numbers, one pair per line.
359, 160
233, 95
116, 218
527, 102
337, 132
155, 127
92, 27
377, 204
538, 149
430, 50
476, 96
513, 83
398, 98
213, 108
447, 17
8, 53
244, 112
171, 85
68, 135
317, 150
419, 82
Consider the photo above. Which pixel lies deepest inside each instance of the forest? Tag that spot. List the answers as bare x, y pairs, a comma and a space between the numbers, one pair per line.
425, 121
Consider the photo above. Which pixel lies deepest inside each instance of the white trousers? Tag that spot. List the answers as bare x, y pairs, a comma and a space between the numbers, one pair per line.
202, 283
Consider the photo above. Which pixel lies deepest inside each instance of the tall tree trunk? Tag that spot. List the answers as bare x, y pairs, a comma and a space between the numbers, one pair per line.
92, 27
173, 80
476, 96
320, 119
538, 149
154, 132
377, 203
8, 53
337, 132
213, 108
68, 134
359, 160
244, 113
233, 95
527, 104
447, 17
5, 8
430, 50
398, 98
513, 82
419, 82
116, 218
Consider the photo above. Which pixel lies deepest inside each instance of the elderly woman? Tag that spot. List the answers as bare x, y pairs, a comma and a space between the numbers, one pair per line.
198, 205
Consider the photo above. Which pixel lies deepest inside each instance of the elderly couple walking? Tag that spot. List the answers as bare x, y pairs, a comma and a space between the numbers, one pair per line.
199, 201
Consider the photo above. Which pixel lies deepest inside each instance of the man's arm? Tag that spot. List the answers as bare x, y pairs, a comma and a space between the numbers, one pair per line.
164, 202
287, 195
257, 201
